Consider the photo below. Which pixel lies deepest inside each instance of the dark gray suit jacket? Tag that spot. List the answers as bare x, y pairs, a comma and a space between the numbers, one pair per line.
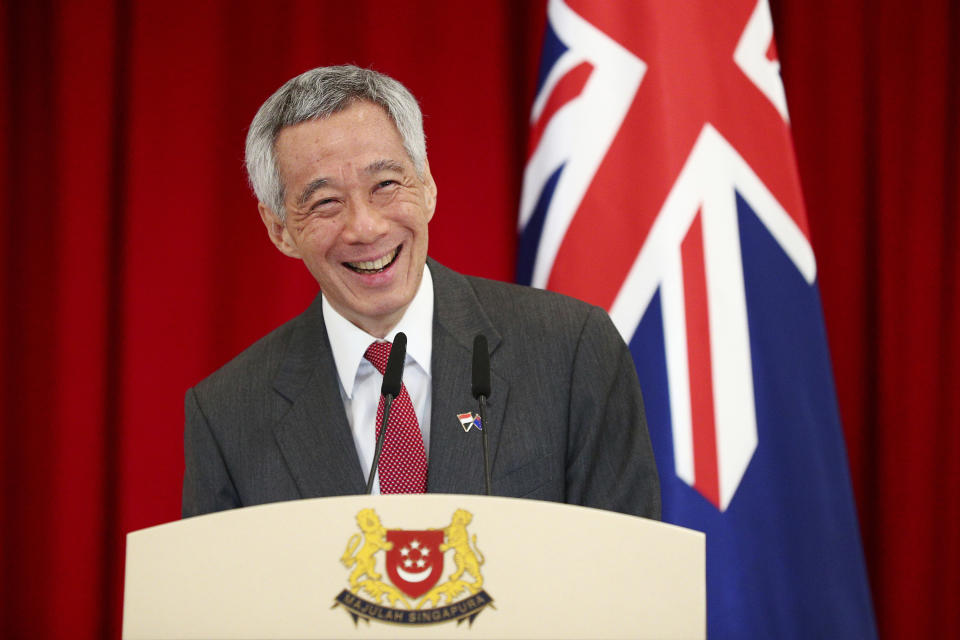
565, 417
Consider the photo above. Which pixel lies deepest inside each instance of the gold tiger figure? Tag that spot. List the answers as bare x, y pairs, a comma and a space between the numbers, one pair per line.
463, 555
374, 539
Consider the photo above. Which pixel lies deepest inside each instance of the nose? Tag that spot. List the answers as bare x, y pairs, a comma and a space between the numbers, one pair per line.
365, 223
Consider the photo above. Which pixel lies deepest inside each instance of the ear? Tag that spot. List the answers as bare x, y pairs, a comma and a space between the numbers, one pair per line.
431, 189
277, 230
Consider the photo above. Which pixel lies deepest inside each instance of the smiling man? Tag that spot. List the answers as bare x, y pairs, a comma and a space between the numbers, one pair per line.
337, 159
356, 212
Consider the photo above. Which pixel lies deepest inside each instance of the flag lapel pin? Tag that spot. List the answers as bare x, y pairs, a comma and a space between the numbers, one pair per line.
468, 420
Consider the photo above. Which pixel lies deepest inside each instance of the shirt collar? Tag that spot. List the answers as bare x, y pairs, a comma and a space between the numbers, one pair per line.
349, 342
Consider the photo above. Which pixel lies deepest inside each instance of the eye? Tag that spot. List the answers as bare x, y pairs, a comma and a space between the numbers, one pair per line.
386, 183
324, 206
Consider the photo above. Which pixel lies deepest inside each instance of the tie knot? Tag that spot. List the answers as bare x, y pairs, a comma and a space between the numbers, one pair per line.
377, 353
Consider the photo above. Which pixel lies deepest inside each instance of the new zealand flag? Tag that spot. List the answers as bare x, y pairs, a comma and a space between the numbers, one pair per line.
661, 185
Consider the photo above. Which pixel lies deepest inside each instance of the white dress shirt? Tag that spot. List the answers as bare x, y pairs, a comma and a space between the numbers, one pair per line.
360, 381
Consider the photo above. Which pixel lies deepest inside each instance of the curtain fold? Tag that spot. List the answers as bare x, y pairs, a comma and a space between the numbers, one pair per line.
873, 91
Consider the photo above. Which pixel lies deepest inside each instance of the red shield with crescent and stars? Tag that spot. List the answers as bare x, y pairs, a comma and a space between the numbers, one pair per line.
415, 562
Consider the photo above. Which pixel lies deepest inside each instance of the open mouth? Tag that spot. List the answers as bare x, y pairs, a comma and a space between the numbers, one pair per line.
375, 266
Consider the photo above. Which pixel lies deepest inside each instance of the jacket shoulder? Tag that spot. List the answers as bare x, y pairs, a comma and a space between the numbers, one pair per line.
530, 306
256, 366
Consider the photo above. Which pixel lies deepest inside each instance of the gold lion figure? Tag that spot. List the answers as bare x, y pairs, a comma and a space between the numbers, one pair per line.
463, 555
374, 539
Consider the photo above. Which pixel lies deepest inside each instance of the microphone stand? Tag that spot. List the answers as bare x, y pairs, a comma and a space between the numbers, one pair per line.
483, 437
390, 389
387, 402
481, 391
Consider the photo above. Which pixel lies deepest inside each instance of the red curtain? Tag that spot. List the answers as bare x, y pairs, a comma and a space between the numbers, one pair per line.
872, 89
133, 262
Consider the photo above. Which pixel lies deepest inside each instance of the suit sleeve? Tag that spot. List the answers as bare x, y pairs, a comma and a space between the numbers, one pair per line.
610, 459
207, 485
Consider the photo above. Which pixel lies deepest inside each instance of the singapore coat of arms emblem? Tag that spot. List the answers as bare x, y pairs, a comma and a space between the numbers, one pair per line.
413, 590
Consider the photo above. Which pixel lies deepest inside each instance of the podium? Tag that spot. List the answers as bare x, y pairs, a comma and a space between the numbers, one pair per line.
415, 566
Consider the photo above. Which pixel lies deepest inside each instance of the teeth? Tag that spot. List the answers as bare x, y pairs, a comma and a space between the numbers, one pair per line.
374, 265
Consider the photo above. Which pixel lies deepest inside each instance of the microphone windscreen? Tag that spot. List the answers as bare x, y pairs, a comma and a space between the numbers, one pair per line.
481, 367
393, 375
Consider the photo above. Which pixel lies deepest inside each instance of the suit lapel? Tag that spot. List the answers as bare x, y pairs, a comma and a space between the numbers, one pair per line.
314, 435
456, 457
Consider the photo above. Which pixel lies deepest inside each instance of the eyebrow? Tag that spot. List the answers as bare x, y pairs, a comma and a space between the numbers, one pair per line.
310, 189
384, 165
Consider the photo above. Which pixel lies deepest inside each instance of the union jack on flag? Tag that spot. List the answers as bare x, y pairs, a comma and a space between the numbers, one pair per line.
661, 185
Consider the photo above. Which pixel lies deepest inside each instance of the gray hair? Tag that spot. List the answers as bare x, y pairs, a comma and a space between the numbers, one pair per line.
320, 93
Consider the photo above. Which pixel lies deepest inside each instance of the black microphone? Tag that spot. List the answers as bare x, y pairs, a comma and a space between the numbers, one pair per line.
393, 376
481, 368
481, 391
390, 389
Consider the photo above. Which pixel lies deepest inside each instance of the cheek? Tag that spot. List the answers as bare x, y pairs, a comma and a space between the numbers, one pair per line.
319, 236
416, 214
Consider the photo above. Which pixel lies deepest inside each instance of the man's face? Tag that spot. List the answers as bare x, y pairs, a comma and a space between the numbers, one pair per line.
357, 213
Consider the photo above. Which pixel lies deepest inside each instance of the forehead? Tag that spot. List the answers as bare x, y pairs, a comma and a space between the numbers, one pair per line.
362, 133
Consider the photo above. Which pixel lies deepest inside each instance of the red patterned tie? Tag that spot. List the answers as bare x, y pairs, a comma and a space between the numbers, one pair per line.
403, 462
